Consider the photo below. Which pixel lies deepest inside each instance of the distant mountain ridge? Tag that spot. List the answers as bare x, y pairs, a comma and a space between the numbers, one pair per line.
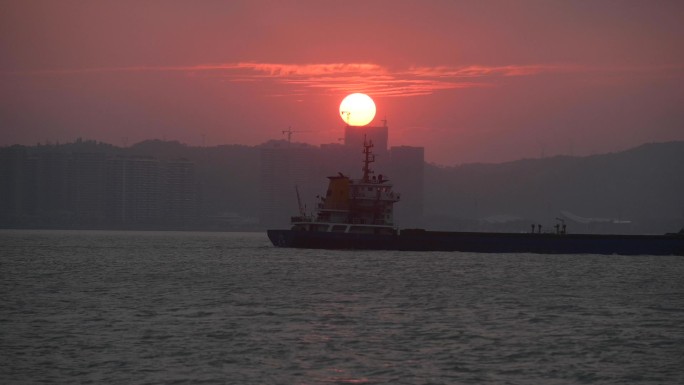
643, 184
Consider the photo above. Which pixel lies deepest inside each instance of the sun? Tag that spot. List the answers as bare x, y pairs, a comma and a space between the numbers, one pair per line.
357, 109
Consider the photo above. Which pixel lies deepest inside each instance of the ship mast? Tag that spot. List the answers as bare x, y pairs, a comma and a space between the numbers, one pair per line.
369, 158
302, 210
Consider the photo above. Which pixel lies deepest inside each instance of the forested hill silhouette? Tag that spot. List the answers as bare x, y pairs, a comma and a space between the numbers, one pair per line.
641, 188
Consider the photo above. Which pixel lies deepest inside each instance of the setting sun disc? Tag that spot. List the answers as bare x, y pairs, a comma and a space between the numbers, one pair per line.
357, 109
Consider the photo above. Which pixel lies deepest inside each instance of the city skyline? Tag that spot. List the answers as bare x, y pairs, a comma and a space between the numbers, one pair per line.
470, 82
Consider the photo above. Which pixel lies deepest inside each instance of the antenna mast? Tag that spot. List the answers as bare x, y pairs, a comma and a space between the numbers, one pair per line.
302, 212
368, 158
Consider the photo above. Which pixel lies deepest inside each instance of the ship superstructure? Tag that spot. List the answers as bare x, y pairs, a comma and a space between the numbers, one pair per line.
364, 205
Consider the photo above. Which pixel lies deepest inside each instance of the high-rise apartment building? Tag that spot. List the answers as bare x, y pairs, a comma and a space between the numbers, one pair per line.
13, 170
134, 187
354, 137
56, 188
180, 203
87, 187
285, 169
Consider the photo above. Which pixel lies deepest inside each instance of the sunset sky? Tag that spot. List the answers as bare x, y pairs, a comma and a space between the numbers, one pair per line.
471, 81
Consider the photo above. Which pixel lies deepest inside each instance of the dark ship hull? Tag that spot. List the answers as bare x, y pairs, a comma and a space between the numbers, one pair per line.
421, 240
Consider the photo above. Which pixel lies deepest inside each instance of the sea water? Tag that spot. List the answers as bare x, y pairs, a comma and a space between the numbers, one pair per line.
228, 308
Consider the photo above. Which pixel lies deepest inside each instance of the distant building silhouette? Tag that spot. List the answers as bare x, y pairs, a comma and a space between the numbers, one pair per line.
87, 194
285, 166
135, 190
13, 182
379, 135
52, 186
58, 188
407, 172
354, 137
180, 195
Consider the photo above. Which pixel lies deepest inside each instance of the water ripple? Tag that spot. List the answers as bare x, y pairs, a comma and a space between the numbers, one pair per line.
158, 308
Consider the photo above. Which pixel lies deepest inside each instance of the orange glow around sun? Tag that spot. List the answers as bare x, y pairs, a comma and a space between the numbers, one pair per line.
357, 109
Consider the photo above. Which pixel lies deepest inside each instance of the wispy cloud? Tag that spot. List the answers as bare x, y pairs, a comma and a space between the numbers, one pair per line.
355, 77
379, 80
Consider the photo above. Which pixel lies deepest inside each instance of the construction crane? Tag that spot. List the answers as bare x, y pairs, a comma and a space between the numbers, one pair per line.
348, 114
289, 133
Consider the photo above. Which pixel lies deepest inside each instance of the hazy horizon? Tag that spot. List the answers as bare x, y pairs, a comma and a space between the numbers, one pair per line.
200, 146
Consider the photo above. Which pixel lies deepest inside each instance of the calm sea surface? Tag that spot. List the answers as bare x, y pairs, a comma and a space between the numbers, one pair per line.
174, 307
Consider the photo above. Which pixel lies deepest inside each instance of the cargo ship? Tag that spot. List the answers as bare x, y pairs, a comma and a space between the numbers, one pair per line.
359, 214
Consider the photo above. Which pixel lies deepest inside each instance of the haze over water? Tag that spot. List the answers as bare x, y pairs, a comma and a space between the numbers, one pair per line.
152, 307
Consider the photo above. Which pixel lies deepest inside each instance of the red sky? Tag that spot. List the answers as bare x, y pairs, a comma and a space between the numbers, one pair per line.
471, 81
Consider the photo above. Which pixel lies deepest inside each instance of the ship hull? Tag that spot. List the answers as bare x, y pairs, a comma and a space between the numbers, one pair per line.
420, 240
